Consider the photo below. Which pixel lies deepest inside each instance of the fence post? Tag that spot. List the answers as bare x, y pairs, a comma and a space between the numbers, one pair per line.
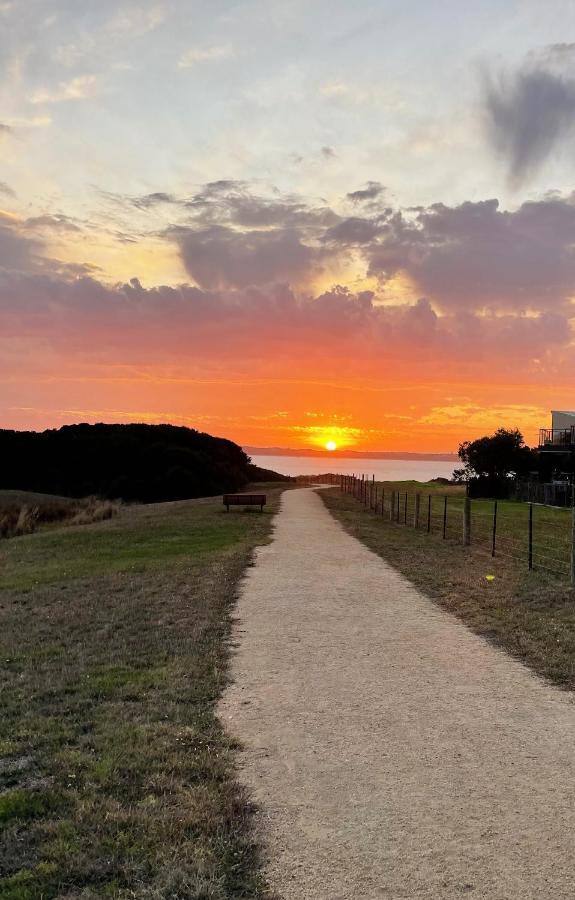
444, 516
429, 513
405, 510
416, 511
573, 546
398, 511
530, 535
382, 501
392, 507
466, 522
494, 528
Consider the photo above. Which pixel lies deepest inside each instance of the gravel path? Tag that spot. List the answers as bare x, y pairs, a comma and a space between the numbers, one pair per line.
392, 752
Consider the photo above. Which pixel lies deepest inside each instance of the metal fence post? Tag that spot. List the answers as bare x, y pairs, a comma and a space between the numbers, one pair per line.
530, 535
494, 528
466, 522
416, 511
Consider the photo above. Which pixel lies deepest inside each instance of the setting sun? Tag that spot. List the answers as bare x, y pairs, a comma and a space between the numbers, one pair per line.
331, 445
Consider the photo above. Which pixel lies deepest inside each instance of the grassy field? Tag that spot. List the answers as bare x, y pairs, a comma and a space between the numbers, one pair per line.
551, 526
530, 614
116, 779
30, 498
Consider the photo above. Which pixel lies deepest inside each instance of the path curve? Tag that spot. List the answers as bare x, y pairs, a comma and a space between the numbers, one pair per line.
393, 753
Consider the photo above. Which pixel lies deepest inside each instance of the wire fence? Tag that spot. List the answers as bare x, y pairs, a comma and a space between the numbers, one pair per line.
536, 536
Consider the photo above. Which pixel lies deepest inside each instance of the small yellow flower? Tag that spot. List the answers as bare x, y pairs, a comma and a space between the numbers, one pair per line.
490, 577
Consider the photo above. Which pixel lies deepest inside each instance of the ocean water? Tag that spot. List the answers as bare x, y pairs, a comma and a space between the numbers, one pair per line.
383, 469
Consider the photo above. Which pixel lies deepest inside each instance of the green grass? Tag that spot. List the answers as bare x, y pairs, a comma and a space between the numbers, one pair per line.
551, 526
529, 614
116, 778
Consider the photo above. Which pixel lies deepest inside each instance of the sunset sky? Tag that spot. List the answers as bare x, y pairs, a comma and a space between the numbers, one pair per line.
288, 222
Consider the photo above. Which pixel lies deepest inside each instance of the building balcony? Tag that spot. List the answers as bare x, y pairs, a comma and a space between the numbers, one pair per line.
557, 438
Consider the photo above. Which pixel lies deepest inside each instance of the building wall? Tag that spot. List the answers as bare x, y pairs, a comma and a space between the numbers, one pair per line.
562, 419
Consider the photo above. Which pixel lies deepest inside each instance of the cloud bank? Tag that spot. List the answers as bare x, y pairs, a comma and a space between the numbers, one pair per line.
438, 294
529, 114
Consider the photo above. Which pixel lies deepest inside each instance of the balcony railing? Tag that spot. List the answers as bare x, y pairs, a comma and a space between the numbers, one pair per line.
556, 438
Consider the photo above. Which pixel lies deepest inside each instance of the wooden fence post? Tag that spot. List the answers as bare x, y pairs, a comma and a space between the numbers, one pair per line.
573, 546
494, 528
444, 517
416, 511
466, 522
382, 500
405, 510
429, 513
530, 553
392, 507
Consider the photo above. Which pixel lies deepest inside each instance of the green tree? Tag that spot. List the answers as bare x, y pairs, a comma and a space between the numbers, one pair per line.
504, 453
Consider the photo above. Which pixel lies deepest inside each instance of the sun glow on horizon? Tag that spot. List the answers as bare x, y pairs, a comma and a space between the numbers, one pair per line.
330, 445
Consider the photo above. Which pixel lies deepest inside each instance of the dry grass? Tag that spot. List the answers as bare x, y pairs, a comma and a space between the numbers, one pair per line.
116, 778
529, 614
24, 513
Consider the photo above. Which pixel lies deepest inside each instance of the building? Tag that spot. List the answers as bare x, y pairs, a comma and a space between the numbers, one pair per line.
557, 447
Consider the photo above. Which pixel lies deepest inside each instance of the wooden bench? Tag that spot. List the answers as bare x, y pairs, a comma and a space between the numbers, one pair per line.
245, 500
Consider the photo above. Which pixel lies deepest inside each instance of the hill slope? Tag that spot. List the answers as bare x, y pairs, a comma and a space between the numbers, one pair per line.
134, 462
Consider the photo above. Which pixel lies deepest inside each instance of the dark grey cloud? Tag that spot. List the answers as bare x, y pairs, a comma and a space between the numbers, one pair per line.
373, 190
159, 198
528, 115
221, 257
17, 251
477, 256
328, 152
355, 230
23, 251
558, 53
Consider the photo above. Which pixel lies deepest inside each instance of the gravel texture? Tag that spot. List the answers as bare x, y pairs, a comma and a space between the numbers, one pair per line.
392, 753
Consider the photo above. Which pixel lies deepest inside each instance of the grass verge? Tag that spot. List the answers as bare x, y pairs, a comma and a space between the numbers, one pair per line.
528, 614
116, 778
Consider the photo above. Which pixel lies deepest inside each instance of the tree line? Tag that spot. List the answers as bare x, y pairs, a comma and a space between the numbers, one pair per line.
147, 463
